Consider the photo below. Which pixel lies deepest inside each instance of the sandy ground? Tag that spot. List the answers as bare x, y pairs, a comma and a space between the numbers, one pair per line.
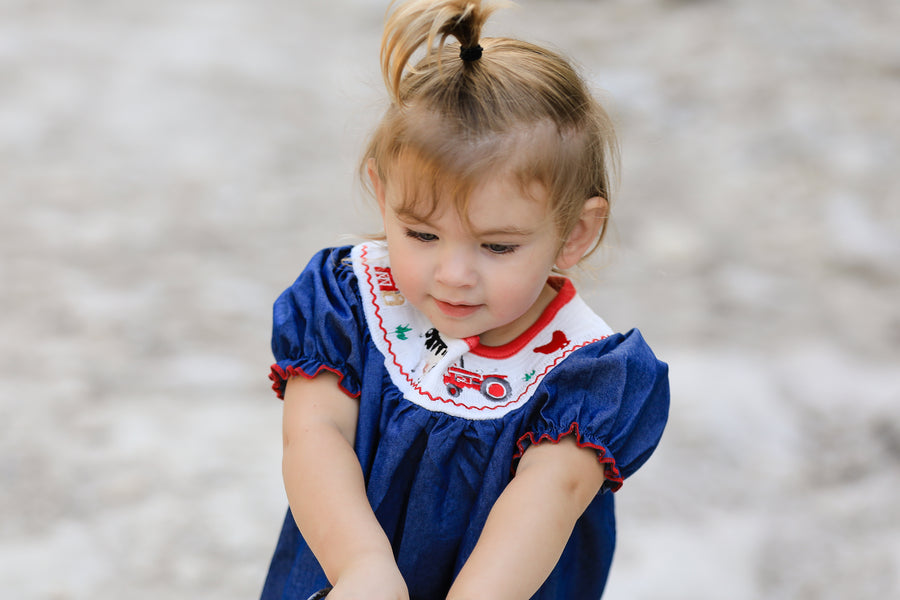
167, 167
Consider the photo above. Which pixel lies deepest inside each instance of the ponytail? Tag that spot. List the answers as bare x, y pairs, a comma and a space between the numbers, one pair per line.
417, 24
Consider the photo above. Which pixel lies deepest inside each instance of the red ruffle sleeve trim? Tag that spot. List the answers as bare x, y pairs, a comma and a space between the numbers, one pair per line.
611, 471
280, 375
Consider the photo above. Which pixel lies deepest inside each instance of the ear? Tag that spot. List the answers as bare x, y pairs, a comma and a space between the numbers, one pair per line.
584, 234
377, 183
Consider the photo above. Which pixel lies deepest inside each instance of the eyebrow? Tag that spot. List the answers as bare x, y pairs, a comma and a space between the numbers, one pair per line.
410, 217
503, 231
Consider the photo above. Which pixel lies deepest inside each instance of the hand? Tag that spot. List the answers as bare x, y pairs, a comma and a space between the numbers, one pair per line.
370, 577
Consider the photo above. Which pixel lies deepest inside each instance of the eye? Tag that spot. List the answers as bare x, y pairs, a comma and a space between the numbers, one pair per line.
500, 248
421, 236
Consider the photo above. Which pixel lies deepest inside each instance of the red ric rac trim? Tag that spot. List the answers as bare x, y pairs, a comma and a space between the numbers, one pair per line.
611, 471
280, 375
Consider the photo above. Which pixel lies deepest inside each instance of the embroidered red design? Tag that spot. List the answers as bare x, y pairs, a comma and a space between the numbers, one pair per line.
557, 342
371, 275
493, 387
384, 279
389, 292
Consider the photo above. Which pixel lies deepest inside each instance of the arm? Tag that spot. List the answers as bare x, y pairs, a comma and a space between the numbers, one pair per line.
553, 486
326, 491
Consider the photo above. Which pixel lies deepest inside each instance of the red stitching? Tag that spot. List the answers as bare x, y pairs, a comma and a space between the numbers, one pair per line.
279, 375
611, 471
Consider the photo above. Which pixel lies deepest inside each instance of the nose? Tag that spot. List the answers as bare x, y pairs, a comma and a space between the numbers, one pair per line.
456, 268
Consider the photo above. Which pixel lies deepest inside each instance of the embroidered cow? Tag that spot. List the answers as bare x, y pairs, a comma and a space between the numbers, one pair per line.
436, 347
434, 343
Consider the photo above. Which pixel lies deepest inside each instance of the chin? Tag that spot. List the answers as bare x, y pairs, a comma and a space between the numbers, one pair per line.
455, 329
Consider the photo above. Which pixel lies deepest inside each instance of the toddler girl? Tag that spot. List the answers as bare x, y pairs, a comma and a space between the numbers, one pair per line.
455, 416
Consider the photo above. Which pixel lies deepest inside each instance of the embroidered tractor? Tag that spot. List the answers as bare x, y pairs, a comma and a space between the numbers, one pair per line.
492, 387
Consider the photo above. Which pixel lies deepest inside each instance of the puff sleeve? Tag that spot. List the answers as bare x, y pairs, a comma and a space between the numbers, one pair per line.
318, 324
613, 396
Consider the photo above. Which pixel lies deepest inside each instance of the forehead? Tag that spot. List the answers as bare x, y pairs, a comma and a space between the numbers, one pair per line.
487, 200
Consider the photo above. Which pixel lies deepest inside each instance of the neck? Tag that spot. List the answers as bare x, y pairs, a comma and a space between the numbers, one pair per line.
510, 331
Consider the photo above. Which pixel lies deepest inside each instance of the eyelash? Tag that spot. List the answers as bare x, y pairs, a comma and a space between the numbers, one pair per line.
421, 236
498, 249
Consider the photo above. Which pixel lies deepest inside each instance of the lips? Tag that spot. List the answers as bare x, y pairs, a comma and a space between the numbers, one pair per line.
456, 311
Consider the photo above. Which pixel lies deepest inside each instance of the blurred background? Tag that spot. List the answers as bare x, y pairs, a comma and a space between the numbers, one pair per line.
168, 167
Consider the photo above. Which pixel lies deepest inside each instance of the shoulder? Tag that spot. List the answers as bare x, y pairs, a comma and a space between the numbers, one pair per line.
628, 351
327, 275
606, 381
318, 322
613, 396
329, 262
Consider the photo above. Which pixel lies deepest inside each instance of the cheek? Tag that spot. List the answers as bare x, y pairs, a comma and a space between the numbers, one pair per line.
405, 269
518, 288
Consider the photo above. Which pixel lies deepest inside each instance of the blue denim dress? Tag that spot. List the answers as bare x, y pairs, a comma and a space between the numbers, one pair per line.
443, 422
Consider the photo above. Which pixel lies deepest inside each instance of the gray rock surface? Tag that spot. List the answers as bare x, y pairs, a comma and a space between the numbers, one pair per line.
166, 168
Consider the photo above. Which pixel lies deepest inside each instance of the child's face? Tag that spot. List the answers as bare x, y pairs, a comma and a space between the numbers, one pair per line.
488, 281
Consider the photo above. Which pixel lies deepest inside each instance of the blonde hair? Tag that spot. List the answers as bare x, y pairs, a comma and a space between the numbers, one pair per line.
518, 107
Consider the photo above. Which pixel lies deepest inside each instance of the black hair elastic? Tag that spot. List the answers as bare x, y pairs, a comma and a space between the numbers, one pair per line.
470, 53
